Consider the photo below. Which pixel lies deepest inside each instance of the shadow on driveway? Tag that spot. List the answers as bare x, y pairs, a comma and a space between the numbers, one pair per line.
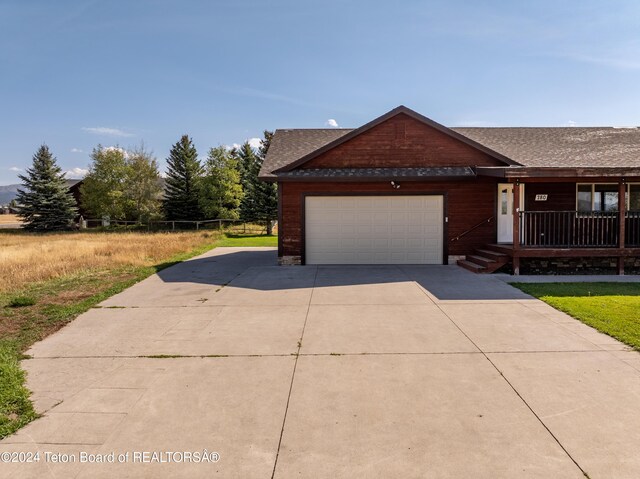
257, 269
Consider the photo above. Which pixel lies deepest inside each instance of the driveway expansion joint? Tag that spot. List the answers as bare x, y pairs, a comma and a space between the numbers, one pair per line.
584, 473
293, 375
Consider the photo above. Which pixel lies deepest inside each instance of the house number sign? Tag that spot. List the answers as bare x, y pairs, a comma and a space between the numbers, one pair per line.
541, 197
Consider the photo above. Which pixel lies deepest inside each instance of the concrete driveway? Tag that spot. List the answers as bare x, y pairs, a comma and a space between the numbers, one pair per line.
314, 372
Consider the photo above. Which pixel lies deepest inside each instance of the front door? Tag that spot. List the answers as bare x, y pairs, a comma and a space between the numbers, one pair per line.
505, 213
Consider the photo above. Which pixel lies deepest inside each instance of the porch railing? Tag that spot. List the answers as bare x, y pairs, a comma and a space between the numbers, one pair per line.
632, 229
573, 229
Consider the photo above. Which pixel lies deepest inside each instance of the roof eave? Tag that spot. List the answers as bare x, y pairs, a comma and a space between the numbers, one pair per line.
559, 171
371, 179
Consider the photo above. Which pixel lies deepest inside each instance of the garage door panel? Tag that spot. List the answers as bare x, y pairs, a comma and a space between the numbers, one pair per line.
374, 229
382, 244
399, 243
399, 218
414, 230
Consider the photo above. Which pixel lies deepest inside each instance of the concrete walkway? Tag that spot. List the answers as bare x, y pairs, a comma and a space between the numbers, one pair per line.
323, 372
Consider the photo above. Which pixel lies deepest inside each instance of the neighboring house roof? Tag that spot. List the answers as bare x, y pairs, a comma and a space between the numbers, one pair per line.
547, 147
72, 182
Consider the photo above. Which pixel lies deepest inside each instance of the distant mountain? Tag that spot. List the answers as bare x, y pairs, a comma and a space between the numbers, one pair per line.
7, 193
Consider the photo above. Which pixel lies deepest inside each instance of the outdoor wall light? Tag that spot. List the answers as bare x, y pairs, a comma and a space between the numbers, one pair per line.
395, 185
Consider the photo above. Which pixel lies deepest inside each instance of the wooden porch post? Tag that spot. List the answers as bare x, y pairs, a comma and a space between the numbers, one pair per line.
622, 209
516, 227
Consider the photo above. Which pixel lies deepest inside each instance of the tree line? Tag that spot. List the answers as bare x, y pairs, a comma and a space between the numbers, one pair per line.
127, 185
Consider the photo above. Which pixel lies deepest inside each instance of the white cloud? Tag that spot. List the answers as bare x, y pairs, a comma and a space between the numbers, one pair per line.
571, 123
114, 148
76, 172
104, 131
14, 168
76, 150
331, 123
124, 152
255, 142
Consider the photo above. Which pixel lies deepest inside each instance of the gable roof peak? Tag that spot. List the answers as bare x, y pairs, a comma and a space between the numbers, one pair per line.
401, 109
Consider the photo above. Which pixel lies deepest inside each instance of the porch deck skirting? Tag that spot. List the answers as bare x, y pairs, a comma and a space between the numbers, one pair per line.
534, 252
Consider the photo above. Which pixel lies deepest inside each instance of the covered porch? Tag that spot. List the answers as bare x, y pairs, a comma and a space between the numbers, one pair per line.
569, 213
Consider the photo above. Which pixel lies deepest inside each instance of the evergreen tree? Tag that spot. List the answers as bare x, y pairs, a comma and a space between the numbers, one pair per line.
221, 188
45, 201
267, 193
183, 182
248, 167
102, 190
260, 200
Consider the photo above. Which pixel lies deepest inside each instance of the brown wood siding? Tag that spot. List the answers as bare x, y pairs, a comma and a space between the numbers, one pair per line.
560, 196
401, 141
468, 203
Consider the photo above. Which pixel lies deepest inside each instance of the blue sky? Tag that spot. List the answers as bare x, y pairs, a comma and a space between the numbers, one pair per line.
77, 73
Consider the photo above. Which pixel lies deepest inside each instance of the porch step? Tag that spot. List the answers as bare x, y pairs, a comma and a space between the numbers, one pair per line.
499, 248
481, 260
485, 260
473, 267
494, 255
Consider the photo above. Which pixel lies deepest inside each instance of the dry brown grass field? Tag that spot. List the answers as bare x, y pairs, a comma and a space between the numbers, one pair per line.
9, 219
27, 258
46, 280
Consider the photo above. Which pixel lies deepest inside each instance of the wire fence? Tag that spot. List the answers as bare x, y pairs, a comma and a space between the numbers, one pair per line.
229, 226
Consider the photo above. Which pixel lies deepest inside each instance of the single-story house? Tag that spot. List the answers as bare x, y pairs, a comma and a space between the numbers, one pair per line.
405, 189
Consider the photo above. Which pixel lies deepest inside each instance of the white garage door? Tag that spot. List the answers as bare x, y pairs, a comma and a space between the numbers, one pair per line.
373, 229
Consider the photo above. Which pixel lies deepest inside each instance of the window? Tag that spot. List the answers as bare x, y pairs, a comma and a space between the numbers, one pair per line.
585, 197
597, 197
606, 198
504, 202
634, 197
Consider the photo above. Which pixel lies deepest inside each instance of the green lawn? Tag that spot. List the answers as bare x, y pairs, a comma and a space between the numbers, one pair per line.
29, 315
611, 308
249, 240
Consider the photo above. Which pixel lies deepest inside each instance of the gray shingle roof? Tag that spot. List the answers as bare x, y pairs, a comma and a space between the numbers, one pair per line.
531, 147
288, 146
562, 147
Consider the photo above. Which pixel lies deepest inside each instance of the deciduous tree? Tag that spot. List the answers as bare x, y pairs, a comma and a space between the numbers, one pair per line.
102, 191
142, 186
221, 188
